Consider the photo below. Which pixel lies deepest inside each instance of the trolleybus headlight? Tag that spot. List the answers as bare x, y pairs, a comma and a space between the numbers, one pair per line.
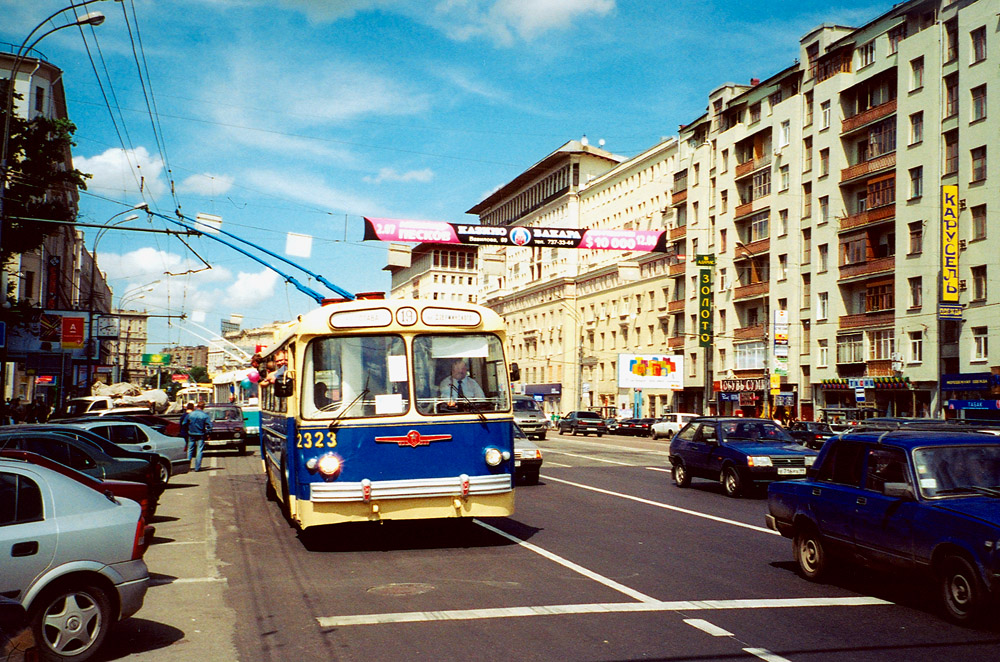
493, 457
329, 465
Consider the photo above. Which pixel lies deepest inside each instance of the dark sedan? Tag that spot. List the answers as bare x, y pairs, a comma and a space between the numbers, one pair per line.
810, 434
636, 427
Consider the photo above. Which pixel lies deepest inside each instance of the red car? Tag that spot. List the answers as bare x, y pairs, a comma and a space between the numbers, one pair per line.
138, 492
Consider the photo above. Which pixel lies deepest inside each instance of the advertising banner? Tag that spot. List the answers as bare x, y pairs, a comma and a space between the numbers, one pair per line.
156, 359
706, 298
441, 232
651, 371
949, 244
72, 332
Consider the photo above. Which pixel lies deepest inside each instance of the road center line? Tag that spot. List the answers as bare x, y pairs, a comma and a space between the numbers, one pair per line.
596, 608
610, 583
664, 505
591, 457
623, 449
765, 655
707, 627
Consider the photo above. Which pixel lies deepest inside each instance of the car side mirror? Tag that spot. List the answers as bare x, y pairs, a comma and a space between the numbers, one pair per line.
897, 490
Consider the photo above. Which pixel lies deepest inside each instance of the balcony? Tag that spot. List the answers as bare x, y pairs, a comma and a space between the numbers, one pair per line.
755, 332
879, 318
678, 197
868, 116
676, 269
747, 167
868, 268
880, 368
675, 342
753, 249
879, 163
747, 208
752, 290
877, 215
678, 232
676, 306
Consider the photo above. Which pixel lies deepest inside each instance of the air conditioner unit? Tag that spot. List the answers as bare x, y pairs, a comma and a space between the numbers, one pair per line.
963, 244
963, 285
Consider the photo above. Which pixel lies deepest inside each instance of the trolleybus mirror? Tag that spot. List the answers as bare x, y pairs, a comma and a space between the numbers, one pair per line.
284, 387
515, 372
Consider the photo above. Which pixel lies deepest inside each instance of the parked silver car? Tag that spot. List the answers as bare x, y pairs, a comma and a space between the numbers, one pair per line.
71, 556
140, 437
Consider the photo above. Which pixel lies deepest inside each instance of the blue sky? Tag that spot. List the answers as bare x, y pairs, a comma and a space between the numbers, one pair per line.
303, 116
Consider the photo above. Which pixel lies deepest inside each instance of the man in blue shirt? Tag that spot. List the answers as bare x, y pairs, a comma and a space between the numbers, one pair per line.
199, 424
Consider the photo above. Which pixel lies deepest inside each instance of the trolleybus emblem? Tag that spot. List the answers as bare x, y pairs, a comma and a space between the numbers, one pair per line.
413, 438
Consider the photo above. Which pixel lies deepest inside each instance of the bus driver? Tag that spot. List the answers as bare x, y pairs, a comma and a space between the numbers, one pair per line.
458, 384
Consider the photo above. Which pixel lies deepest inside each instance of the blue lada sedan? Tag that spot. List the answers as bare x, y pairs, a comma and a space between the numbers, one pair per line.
924, 502
738, 452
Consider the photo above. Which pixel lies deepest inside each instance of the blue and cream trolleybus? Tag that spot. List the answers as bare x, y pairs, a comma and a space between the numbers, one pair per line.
377, 409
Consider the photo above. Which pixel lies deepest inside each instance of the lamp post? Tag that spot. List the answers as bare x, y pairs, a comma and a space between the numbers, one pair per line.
91, 18
93, 347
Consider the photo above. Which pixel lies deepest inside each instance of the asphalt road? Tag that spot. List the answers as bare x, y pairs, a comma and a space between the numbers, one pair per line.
604, 560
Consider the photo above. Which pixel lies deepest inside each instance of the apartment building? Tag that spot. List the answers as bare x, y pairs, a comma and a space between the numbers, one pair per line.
433, 271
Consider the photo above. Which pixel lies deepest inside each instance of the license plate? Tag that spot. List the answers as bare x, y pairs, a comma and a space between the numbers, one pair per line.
517, 463
791, 471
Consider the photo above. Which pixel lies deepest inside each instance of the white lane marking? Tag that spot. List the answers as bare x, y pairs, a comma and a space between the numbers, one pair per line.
591, 608
188, 580
666, 471
707, 627
623, 449
610, 583
595, 459
766, 655
665, 506
556, 464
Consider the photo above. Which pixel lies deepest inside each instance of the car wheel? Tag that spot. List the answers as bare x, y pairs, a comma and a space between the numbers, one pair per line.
541, 437
269, 492
600, 434
162, 472
652, 435
810, 554
681, 476
242, 447
732, 483
70, 622
962, 592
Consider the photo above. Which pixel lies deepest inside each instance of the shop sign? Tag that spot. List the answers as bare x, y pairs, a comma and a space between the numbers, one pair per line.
738, 385
748, 399
968, 381
974, 404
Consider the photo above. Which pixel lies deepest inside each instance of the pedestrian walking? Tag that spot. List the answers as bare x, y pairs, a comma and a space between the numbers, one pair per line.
197, 425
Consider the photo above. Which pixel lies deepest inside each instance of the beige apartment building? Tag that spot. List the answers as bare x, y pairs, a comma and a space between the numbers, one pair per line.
818, 192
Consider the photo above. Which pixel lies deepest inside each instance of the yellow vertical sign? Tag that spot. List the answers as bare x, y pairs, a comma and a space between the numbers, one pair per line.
949, 244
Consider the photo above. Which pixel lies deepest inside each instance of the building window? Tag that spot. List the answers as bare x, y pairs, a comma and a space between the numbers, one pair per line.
783, 173
878, 298
823, 255
693, 362
824, 209
951, 153
866, 54
782, 267
824, 162
978, 163
981, 343
808, 109
916, 291
951, 95
851, 349
807, 207
806, 246
725, 161
807, 154
822, 353
896, 35
881, 345
978, 103
951, 40
782, 222
724, 201
784, 133
978, 44
39, 99
916, 346
979, 283
916, 182
916, 237
917, 73
979, 222
822, 305
824, 115
759, 227
761, 184
916, 128
806, 292
755, 113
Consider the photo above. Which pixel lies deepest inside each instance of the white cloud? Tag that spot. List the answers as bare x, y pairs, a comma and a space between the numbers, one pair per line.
251, 288
125, 173
207, 184
309, 189
504, 21
390, 175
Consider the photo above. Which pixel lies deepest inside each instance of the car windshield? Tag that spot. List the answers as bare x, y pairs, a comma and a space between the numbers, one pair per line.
958, 470
762, 431
526, 405
588, 414
223, 414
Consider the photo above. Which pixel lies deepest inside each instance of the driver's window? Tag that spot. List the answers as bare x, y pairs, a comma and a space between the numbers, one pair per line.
707, 433
459, 373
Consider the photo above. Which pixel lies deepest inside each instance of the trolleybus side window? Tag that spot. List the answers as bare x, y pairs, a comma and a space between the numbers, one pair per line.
458, 373
352, 377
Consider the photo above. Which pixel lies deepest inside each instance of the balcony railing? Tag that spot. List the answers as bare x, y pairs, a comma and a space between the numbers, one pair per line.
883, 162
868, 268
676, 269
876, 215
755, 332
678, 197
880, 368
867, 116
752, 290
751, 207
676, 306
674, 342
880, 318
678, 232
753, 249
745, 168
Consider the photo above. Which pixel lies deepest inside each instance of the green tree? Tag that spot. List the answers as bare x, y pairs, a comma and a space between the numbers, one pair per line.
199, 374
39, 186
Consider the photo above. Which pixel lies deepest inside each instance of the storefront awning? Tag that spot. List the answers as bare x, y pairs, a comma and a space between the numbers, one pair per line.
543, 389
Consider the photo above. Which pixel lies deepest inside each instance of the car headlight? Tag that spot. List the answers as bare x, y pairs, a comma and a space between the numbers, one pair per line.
810, 460
759, 461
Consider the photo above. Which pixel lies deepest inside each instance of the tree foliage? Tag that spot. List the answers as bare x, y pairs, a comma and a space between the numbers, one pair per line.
39, 183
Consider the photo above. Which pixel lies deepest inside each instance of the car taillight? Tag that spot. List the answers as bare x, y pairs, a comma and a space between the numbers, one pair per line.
143, 536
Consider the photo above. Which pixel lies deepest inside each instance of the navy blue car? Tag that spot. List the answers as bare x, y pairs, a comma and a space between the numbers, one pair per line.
738, 452
909, 500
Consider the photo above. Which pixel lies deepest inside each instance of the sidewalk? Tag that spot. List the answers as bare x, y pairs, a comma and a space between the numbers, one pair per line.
184, 616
